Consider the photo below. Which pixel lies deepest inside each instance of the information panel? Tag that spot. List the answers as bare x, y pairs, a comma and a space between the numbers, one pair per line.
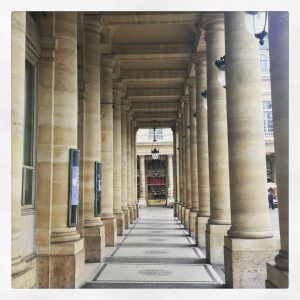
98, 188
74, 161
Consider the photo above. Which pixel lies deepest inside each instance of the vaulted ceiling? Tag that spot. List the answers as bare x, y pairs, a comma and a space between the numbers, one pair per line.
154, 51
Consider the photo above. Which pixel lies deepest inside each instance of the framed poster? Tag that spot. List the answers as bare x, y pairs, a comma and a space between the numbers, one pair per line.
74, 161
98, 188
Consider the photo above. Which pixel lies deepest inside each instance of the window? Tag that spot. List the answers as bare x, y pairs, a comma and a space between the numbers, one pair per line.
268, 118
29, 133
158, 134
264, 64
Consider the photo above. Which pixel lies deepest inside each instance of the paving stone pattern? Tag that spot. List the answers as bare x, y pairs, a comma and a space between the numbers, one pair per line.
156, 252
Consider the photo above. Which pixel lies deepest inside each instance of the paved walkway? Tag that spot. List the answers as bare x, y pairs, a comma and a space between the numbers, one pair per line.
156, 252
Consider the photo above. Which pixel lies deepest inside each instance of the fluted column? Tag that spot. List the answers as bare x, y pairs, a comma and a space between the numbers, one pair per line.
219, 220
170, 198
193, 156
187, 162
117, 86
129, 167
93, 227
142, 199
21, 274
278, 273
248, 245
124, 103
107, 150
199, 61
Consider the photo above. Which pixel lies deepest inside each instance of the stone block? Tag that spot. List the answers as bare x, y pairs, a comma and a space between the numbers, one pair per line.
200, 231
120, 223
187, 218
214, 239
110, 231
193, 216
94, 243
245, 261
24, 280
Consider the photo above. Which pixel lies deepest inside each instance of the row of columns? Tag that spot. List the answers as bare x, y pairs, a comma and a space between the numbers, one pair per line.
77, 108
223, 188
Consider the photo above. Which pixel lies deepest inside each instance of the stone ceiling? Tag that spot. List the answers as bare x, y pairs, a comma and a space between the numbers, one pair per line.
154, 51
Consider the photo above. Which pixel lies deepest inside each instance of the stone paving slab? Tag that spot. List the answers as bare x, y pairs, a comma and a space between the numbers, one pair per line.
179, 252
162, 273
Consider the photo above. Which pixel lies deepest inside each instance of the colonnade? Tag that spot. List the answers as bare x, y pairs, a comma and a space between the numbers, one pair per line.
216, 176
222, 155
79, 108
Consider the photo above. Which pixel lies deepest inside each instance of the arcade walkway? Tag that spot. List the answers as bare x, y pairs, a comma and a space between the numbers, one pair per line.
156, 252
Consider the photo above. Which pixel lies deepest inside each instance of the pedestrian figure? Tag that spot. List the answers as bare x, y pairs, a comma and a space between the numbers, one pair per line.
271, 198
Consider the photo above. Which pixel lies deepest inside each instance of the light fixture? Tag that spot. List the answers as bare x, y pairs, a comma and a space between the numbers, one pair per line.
204, 95
256, 23
220, 64
154, 150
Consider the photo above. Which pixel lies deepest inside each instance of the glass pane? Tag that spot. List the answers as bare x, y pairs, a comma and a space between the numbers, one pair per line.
29, 114
27, 186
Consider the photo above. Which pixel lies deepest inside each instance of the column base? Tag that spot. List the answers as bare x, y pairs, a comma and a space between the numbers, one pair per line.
131, 214
142, 202
276, 278
200, 231
94, 243
170, 202
134, 212
120, 222
182, 215
25, 279
187, 218
63, 268
126, 217
137, 210
214, 239
245, 261
179, 212
193, 217
110, 230
175, 209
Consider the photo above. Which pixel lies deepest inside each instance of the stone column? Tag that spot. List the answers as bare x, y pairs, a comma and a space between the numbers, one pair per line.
124, 202
67, 253
118, 212
142, 200
170, 198
129, 167
107, 151
93, 227
199, 61
22, 275
278, 273
183, 126
133, 171
248, 245
177, 159
219, 221
193, 157
187, 163
135, 155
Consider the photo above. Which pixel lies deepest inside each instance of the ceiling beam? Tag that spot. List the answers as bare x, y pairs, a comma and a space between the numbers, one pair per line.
154, 74
158, 106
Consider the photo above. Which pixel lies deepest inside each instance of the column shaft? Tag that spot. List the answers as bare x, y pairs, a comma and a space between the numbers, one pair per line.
129, 168
248, 245
217, 145
142, 199
117, 85
279, 60
91, 151
170, 198
107, 65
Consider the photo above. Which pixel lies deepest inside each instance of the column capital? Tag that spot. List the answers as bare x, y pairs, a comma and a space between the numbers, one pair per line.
213, 24
108, 60
185, 99
118, 84
92, 23
124, 101
191, 82
199, 58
